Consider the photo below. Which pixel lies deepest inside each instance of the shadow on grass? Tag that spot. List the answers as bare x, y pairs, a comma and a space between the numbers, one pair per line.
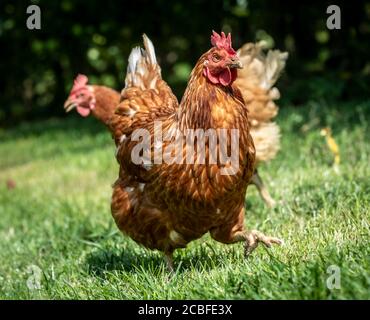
99, 262
201, 258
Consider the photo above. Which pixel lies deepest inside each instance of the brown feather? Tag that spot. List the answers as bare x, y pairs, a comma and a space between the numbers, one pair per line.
107, 100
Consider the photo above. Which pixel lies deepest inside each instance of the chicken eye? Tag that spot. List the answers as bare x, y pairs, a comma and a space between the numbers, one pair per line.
216, 57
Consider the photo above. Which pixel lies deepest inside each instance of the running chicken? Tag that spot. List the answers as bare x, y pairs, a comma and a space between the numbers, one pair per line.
184, 167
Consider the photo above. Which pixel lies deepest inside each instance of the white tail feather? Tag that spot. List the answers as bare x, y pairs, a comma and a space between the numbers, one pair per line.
149, 47
266, 138
133, 59
275, 63
141, 64
260, 68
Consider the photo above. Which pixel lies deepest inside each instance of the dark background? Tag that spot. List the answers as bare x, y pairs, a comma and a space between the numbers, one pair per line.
95, 38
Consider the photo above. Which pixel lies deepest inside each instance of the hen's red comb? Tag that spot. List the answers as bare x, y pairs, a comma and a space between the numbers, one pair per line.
80, 81
222, 42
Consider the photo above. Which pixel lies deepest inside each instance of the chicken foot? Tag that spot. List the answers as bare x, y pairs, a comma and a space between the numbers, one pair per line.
169, 261
235, 232
252, 239
264, 193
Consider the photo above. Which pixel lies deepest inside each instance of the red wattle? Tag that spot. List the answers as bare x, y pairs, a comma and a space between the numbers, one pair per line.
83, 111
225, 77
210, 77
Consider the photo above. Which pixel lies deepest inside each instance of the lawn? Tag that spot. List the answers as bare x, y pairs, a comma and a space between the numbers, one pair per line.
56, 226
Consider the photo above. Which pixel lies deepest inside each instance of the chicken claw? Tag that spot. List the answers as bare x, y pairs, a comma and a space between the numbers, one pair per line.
254, 237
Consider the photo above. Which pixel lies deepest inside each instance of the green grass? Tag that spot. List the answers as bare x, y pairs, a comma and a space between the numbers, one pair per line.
58, 218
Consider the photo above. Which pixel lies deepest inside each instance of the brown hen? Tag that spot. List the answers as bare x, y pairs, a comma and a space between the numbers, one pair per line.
168, 203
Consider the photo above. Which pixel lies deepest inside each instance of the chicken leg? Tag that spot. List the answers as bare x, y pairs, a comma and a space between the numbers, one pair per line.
235, 232
169, 261
264, 193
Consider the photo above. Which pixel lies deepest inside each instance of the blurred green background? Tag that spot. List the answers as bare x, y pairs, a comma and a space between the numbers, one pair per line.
95, 38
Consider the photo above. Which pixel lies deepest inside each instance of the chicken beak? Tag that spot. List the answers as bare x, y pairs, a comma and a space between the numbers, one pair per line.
235, 63
69, 105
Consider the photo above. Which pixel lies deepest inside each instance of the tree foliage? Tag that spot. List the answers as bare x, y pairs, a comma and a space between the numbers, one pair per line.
95, 38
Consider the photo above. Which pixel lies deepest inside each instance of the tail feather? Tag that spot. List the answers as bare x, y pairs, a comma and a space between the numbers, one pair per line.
149, 47
133, 59
266, 138
143, 70
256, 82
274, 63
257, 79
259, 68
